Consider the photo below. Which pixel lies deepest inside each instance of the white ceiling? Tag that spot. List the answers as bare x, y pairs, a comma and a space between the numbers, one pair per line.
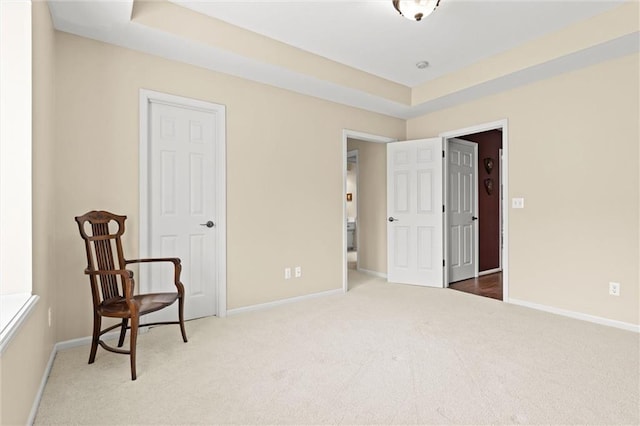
371, 36
367, 34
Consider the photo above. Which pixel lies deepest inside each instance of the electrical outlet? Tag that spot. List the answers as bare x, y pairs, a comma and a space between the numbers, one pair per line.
614, 289
298, 271
49, 316
287, 273
517, 203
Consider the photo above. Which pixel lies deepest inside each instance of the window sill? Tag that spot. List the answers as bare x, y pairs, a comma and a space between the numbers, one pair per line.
15, 309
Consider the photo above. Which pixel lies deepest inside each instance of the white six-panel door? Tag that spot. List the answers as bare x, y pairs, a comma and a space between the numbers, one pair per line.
182, 201
462, 208
414, 212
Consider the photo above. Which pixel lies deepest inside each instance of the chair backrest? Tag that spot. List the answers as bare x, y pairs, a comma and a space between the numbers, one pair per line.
102, 232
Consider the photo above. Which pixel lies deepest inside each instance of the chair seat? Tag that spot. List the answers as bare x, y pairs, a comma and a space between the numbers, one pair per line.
147, 302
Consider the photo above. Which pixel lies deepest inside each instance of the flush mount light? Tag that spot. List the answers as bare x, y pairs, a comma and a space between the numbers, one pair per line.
415, 9
422, 65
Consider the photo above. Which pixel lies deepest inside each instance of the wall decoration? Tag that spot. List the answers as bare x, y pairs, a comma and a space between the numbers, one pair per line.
488, 185
349, 196
488, 164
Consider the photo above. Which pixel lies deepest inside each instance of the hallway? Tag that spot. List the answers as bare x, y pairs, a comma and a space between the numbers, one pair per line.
486, 285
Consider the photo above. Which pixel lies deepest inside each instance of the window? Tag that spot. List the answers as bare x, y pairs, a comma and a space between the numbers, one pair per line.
16, 300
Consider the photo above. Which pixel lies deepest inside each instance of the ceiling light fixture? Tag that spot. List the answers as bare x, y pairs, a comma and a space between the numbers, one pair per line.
415, 9
422, 65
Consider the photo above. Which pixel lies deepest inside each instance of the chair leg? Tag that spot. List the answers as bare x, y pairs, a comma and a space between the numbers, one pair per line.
123, 331
97, 322
181, 318
132, 348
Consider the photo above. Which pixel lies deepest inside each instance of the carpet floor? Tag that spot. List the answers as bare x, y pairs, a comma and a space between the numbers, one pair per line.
379, 354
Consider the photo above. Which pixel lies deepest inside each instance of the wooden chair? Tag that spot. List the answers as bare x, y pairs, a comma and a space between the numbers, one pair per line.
112, 285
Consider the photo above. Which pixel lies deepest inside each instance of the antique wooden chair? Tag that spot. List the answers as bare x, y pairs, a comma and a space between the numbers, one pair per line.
112, 285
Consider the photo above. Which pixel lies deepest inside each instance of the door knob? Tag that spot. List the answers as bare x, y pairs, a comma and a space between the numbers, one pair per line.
393, 219
209, 224
474, 218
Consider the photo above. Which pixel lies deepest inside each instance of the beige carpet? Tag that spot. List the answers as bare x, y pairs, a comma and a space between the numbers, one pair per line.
381, 354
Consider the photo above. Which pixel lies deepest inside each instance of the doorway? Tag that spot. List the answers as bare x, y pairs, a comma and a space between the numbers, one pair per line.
369, 202
182, 197
490, 278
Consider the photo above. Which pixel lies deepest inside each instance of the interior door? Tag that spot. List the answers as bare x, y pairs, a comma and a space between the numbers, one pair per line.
182, 202
414, 212
462, 209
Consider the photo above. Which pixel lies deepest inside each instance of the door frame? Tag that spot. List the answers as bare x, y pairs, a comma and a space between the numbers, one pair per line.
460, 133
146, 97
366, 137
476, 230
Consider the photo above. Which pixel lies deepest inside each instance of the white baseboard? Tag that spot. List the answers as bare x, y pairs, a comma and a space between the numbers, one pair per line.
268, 305
578, 315
374, 273
43, 382
67, 344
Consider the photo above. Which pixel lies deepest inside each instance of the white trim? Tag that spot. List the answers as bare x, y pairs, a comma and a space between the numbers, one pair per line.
268, 305
504, 125
17, 321
578, 315
66, 344
367, 137
374, 273
445, 214
43, 383
146, 97
489, 271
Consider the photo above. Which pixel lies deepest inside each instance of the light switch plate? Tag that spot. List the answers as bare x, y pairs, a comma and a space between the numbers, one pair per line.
517, 203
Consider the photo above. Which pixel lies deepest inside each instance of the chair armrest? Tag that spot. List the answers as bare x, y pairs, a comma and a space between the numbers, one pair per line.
177, 268
174, 260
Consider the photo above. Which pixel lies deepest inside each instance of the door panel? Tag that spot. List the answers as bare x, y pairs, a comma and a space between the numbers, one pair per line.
414, 211
462, 189
182, 198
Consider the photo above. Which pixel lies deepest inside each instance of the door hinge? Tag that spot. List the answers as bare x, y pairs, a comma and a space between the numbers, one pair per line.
443, 153
443, 208
443, 263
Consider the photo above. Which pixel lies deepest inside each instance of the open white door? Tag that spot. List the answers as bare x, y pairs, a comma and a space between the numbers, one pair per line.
462, 208
414, 212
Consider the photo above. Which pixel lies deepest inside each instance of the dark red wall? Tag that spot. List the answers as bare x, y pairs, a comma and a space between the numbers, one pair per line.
489, 144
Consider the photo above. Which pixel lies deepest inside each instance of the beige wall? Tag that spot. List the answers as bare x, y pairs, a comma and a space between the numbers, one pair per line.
372, 204
25, 358
573, 156
284, 171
